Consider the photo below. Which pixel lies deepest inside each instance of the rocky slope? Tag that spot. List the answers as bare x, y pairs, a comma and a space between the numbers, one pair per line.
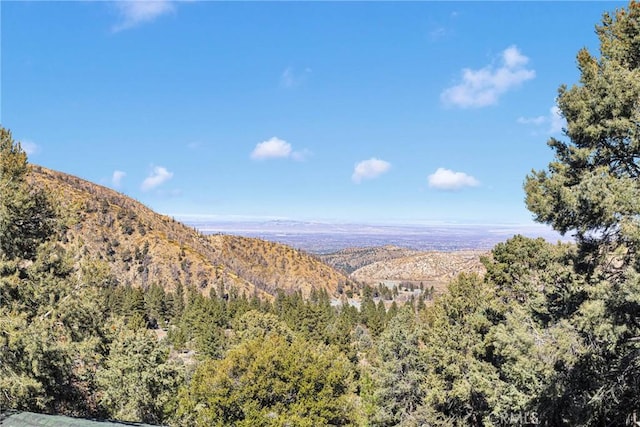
141, 247
430, 268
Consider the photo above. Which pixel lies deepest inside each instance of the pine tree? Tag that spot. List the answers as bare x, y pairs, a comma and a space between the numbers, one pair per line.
592, 190
26, 217
137, 381
50, 320
460, 384
270, 380
400, 372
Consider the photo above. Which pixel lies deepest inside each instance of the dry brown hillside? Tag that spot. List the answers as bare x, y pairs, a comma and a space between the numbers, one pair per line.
435, 269
272, 265
351, 259
142, 247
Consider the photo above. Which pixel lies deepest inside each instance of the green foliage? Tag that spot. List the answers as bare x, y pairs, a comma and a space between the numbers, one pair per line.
511, 344
50, 323
591, 189
254, 324
175, 304
372, 315
13, 163
339, 331
460, 384
26, 217
399, 373
200, 325
537, 275
270, 381
591, 186
155, 304
137, 381
50, 335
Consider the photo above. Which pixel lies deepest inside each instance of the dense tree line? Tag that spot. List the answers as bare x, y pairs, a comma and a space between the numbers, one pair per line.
550, 335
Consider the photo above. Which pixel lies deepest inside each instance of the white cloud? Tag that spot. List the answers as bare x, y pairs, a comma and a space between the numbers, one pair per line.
136, 12
158, 176
369, 169
290, 78
553, 122
271, 149
117, 177
30, 147
483, 87
446, 179
275, 147
513, 58
556, 120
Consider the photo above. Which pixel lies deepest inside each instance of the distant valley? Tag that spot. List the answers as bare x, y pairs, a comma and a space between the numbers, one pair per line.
324, 238
427, 255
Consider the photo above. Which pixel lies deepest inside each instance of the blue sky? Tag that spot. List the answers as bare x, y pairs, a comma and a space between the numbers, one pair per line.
373, 112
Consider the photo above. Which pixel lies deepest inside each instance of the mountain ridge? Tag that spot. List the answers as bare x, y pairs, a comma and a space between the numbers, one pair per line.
142, 247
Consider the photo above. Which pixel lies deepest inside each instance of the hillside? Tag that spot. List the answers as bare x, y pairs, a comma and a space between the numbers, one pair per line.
395, 265
430, 268
271, 265
351, 259
142, 247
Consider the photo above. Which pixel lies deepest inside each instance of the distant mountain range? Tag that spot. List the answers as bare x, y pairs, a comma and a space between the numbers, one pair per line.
323, 238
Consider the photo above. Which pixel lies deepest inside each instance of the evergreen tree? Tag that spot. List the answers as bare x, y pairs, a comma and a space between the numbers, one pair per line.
137, 381
372, 316
254, 324
200, 326
50, 320
460, 384
155, 305
400, 372
269, 380
177, 302
591, 189
26, 216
